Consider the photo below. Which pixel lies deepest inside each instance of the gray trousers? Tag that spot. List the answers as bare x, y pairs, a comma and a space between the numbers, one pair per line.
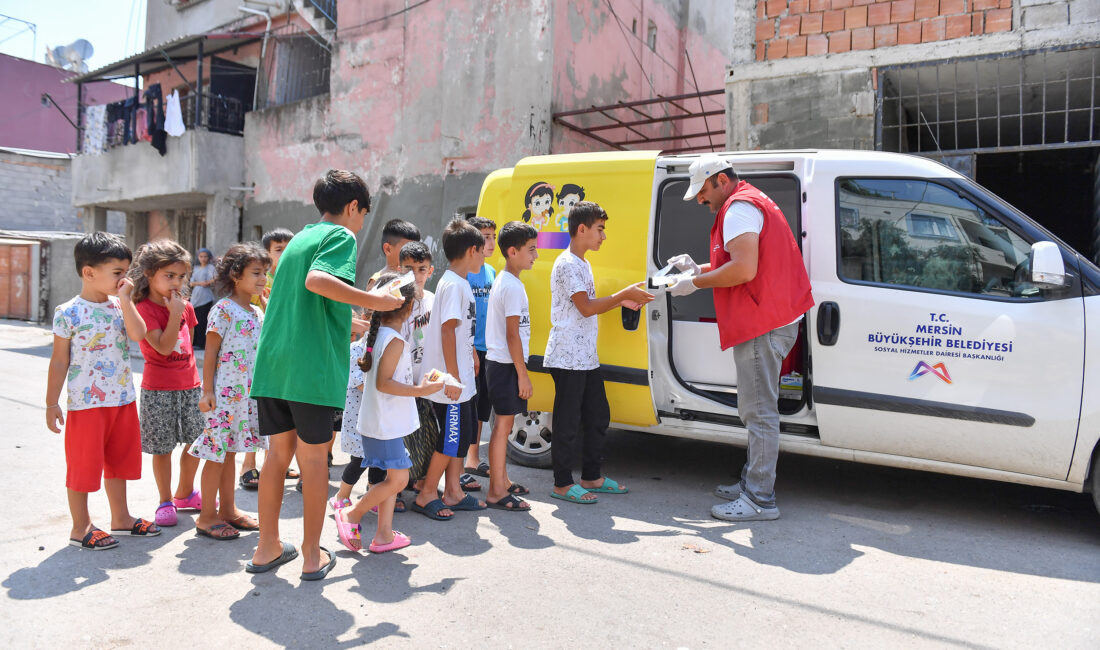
758, 361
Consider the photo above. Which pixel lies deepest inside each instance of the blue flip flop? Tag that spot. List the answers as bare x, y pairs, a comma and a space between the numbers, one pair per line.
609, 487
574, 495
288, 554
320, 574
431, 510
468, 502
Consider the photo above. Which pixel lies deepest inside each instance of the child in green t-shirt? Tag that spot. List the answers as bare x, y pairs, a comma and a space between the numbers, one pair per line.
301, 366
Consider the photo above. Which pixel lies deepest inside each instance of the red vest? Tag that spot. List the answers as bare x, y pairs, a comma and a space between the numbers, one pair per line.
778, 294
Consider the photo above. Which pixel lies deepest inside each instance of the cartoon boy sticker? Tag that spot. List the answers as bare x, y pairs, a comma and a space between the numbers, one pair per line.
570, 195
539, 203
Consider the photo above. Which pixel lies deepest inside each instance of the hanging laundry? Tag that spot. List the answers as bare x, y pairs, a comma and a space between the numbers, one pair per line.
173, 116
95, 129
154, 108
142, 125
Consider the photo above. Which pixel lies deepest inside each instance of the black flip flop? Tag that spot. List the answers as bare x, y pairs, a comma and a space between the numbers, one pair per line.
469, 483
320, 574
510, 502
221, 538
518, 490
92, 541
482, 470
431, 511
246, 479
288, 554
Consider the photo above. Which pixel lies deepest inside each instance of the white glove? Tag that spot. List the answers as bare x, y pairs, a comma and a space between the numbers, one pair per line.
684, 262
684, 286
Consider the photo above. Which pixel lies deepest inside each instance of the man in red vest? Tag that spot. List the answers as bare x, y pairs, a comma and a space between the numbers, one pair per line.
761, 291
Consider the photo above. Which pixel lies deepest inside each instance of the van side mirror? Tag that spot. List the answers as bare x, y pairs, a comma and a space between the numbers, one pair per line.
1047, 269
631, 318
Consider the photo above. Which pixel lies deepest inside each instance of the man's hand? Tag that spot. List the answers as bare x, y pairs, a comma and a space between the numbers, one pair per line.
175, 304
206, 404
54, 418
125, 288
684, 286
382, 300
683, 262
525, 388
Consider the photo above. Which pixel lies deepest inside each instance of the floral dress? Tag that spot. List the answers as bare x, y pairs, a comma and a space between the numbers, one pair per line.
232, 427
350, 442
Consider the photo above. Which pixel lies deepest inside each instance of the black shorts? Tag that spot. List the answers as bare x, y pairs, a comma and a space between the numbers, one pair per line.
312, 421
482, 403
503, 383
457, 423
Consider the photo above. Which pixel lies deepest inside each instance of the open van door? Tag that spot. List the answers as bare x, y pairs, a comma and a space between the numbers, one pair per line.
931, 339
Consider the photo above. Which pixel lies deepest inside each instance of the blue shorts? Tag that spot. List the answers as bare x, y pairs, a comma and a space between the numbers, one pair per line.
457, 423
385, 454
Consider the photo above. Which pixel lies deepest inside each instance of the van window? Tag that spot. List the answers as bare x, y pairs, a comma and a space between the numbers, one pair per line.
921, 234
684, 227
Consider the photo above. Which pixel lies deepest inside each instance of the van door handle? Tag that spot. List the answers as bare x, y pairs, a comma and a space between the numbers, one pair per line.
828, 323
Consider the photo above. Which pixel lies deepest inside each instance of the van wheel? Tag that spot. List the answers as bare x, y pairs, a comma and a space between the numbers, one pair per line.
529, 442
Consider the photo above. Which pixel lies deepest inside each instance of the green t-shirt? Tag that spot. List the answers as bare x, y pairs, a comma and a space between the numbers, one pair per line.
304, 348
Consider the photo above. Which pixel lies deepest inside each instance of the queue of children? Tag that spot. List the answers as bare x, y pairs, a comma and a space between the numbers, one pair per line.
409, 390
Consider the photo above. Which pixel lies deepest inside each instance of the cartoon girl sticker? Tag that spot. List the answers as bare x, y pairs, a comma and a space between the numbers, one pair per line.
539, 203
570, 195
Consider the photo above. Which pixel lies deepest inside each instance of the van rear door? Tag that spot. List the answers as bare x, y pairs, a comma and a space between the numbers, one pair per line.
928, 340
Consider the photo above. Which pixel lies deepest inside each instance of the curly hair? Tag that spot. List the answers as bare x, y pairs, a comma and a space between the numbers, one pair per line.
408, 292
150, 258
234, 262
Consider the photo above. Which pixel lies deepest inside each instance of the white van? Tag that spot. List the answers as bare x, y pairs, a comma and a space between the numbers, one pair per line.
950, 331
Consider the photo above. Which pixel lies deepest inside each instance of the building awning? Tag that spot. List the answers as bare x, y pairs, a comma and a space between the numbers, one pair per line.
162, 57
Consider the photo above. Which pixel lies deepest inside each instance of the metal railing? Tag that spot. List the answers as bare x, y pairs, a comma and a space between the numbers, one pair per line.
220, 114
327, 8
295, 67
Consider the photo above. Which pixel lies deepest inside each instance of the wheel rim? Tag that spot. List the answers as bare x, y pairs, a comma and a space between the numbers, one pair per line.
531, 433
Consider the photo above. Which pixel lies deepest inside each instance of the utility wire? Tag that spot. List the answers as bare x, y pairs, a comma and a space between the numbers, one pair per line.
386, 17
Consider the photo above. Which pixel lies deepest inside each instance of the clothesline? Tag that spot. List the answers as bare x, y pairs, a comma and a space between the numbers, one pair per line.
130, 121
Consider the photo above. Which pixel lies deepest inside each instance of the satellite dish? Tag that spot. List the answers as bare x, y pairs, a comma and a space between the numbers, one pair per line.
71, 57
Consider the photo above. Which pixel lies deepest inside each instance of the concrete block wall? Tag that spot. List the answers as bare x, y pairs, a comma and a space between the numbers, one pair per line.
35, 194
794, 28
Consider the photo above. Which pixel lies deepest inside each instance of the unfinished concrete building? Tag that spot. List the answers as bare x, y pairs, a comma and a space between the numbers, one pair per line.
424, 99
1003, 90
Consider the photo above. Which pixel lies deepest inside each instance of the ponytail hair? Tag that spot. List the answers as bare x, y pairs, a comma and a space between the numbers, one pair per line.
408, 292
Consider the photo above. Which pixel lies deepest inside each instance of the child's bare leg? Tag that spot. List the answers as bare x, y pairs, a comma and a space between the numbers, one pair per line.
209, 483
452, 487
78, 509
382, 494
189, 466
473, 454
313, 464
227, 488
162, 474
397, 478
116, 497
249, 462
270, 495
429, 488
498, 457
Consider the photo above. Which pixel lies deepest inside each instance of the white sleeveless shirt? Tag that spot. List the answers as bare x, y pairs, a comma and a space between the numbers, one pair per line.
384, 416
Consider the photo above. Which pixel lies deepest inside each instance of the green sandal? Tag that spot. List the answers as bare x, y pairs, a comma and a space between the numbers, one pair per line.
574, 495
609, 487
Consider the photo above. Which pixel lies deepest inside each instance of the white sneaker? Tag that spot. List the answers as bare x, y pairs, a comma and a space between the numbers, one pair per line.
728, 492
743, 509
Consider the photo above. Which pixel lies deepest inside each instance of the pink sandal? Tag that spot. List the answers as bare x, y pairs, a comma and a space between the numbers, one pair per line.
166, 514
193, 502
349, 532
339, 504
400, 540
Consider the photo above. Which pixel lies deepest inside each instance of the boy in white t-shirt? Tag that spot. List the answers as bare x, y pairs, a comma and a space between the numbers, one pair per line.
507, 339
581, 412
417, 258
449, 347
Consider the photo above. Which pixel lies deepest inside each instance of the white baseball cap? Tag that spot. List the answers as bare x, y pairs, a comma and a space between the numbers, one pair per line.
701, 169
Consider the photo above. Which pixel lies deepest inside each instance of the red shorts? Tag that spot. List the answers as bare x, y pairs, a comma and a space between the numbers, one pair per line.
102, 442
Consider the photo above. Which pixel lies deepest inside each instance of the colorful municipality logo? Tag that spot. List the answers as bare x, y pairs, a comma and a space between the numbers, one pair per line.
939, 370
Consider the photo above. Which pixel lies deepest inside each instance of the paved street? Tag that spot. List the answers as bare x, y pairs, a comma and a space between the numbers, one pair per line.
862, 556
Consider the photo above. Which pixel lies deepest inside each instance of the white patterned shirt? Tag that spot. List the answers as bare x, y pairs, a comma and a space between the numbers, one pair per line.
572, 342
99, 353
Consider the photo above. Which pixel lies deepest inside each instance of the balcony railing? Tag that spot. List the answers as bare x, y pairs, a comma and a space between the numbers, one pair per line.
220, 114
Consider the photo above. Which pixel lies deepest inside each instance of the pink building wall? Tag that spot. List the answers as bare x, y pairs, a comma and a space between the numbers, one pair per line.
25, 123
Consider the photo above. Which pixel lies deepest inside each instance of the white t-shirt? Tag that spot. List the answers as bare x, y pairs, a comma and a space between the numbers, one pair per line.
383, 416
572, 342
413, 332
99, 353
741, 217
506, 298
453, 301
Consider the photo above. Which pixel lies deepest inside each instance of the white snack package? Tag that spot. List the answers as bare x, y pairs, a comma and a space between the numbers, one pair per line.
445, 377
393, 287
662, 278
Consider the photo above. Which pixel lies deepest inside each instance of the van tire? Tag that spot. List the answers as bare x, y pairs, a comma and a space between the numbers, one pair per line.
529, 442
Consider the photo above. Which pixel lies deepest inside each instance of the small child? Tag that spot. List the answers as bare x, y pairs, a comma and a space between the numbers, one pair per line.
508, 336
90, 347
417, 258
449, 347
170, 385
232, 424
300, 378
581, 412
414, 257
387, 415
274, 242
481, 282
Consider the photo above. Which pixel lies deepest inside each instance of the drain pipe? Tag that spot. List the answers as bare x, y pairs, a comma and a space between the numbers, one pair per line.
263, 49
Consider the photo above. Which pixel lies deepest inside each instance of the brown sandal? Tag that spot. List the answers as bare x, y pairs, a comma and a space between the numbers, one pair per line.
216, 532
244, 522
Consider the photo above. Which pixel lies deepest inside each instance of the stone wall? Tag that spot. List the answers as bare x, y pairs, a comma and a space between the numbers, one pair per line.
36, 194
